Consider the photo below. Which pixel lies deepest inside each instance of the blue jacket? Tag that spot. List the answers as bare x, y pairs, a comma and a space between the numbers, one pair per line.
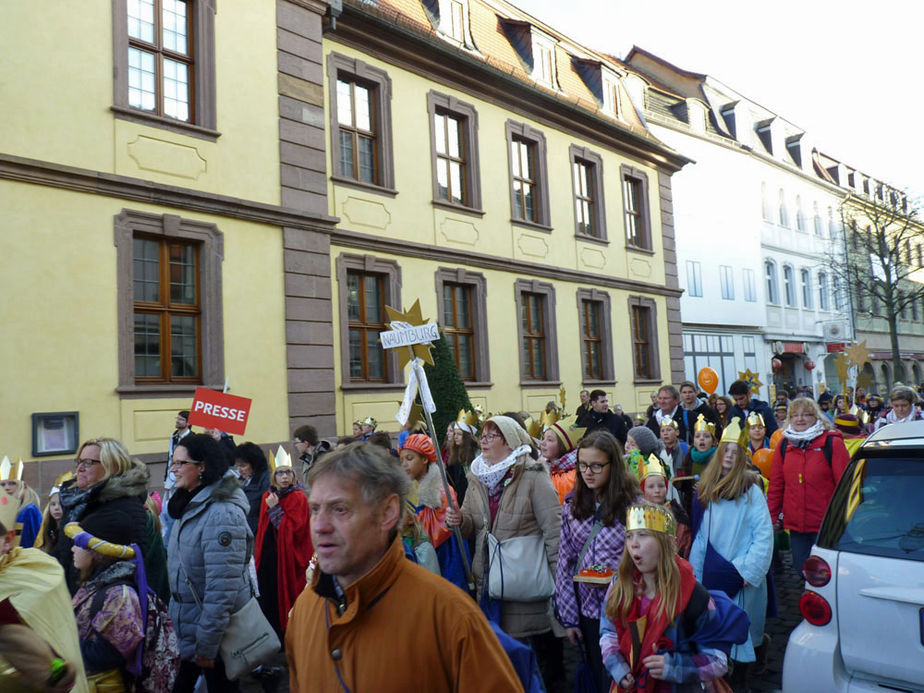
759, 407
211, 544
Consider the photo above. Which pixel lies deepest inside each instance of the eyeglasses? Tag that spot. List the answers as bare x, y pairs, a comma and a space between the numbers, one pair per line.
595, 468
86, 464
489, 436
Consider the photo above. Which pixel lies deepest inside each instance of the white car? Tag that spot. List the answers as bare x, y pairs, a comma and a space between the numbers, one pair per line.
863, 608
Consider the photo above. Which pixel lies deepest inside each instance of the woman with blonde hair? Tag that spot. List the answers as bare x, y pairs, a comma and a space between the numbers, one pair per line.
681, 632
806, 466
733, 536
109, 483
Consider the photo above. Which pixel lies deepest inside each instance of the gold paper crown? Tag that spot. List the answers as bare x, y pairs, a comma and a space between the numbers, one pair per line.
9, 509
653, 466
569, 434
703, 425
733, 433
9, 471
755, 419
671, 423
550, 417
468, 418
651, 517
533, 427
369, 421
280, 459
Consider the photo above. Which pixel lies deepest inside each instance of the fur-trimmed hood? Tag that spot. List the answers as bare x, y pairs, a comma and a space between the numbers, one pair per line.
430, 488
133, 483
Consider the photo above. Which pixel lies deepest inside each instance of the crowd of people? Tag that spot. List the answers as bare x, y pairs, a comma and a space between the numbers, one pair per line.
649, 545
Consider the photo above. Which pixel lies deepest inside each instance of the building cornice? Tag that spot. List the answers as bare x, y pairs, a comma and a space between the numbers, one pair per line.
371, 32
379, 244
64, 177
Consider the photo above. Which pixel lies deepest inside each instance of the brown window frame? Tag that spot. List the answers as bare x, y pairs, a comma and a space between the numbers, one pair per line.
452, 332
476, 282
602, 300
128, 225
165, 309
630, 175
391, 273
365, 326
535, 141
448, 106
582, 156
201, 59
637, 306
548, 336
343, 68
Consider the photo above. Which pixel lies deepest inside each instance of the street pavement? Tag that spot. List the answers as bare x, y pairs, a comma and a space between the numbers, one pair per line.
789, 587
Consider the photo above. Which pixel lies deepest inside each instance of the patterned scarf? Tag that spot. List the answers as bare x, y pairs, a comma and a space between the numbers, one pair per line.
565, 463
491, 474
803, 438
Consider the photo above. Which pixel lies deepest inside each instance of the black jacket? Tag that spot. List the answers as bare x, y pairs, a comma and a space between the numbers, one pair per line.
608, 422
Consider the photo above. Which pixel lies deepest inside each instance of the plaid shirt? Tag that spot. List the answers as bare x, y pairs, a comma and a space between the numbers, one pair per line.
606, 548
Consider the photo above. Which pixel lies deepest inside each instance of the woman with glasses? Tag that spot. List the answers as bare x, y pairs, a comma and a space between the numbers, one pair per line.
806, 466
210, 547
511, 495
592, 537
112, 487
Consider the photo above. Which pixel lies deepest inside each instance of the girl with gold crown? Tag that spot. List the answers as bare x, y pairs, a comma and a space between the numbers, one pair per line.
733, 537
29, 517
661, 629
655, 484
557, 448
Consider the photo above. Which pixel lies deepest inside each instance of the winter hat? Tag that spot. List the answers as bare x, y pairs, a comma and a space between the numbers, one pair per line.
420, 444
514, 434
847, 423
108, 525
646, 440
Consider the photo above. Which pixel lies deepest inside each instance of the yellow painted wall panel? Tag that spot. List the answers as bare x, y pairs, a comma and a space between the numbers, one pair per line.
59, 351
57, 87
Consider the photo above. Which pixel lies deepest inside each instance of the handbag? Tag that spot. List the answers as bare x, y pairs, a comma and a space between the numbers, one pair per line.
248, 641
518, 569
718, 573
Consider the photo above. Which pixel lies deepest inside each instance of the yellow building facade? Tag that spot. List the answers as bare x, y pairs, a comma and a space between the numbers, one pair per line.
498, 172
163, 212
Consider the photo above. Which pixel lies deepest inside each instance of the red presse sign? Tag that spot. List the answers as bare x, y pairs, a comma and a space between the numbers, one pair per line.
211, 409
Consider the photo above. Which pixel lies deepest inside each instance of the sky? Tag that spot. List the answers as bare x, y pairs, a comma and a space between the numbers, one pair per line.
846, 72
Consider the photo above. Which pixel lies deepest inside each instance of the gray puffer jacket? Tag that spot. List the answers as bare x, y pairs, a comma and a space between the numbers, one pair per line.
211, 544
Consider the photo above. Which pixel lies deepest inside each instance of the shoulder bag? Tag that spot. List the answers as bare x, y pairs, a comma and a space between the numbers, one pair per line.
248, 641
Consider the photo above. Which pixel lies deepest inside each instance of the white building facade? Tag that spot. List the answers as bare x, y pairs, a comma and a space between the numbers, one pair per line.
756, 230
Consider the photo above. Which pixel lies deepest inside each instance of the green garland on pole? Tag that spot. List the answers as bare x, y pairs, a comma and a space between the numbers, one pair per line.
447, 388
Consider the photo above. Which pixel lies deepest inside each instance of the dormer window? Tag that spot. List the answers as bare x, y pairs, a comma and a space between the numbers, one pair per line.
453, 15
611, 102
544, 60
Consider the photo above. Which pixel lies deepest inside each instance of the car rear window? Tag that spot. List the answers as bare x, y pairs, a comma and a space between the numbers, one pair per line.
877, 509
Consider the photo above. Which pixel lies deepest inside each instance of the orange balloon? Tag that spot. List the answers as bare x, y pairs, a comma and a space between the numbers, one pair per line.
776, 438
708, 379
762, 459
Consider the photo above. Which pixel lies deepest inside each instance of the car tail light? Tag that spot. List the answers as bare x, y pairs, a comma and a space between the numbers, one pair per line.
816, 571
815, 609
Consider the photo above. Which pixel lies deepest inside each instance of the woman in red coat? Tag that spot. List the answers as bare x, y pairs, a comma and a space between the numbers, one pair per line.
806, 466
283, 545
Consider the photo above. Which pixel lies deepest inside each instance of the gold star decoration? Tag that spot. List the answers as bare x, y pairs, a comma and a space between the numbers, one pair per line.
751, 379
841, 364
858, 354
864, 380
413, 318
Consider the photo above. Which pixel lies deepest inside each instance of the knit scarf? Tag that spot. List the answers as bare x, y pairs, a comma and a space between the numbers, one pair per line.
176, 506
491, 474
702, 457
803, 438
914, 415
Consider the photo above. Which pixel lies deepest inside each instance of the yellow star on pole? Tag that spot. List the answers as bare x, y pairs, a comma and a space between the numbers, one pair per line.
751, 379
858, 354
841, 364
864, 380
413, 318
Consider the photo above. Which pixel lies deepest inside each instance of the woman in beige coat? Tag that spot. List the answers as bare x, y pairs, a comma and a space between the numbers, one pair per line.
512, 495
